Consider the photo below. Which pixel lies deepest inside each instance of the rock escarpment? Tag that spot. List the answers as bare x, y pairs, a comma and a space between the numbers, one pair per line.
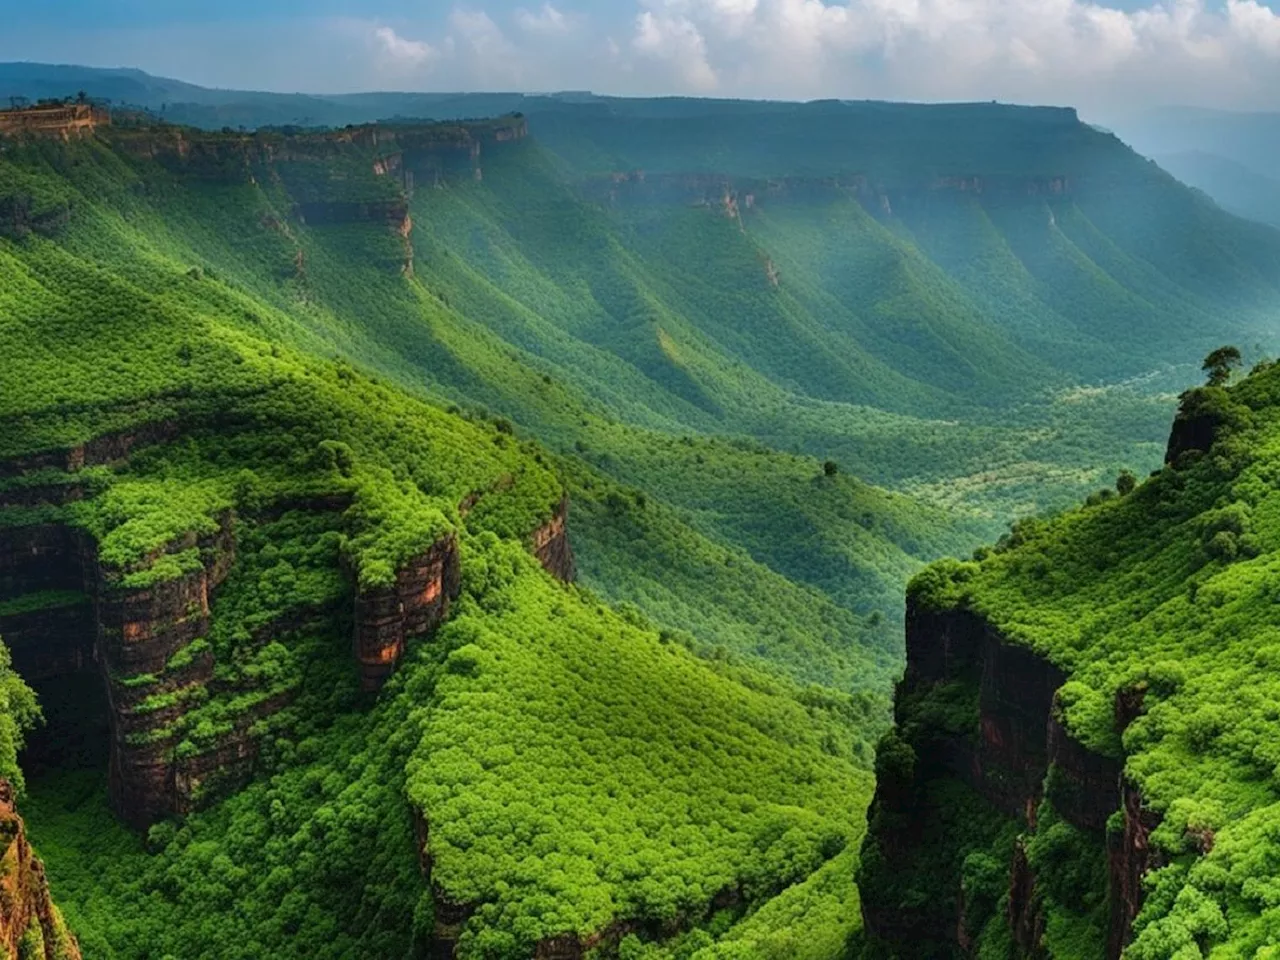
737, 195
58, 120
143, 630
550, 543
31, 928
387, 617
76, 615
981, 755
351, 156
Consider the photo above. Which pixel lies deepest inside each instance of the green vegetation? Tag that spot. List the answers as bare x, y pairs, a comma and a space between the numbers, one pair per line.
1162, 597
768, 416
19, 712
572, 766
326, 468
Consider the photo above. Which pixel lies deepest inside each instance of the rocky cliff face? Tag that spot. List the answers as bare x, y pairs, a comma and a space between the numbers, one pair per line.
60, 121
979, 711
386, 618
128, 635
31, 928
383, 149
65, 613
550, 544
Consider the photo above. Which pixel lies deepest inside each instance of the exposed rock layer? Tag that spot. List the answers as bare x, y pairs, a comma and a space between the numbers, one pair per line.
73, 614
1006, 757
550, 544
26, 911
415, 604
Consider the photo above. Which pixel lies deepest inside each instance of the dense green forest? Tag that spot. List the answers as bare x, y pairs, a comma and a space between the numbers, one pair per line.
275, 379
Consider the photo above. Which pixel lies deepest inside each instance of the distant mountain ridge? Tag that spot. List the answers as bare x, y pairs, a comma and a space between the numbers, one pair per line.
1235, 186
1233, 157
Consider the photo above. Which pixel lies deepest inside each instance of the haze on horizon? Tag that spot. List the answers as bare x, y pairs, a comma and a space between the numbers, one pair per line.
1105, 58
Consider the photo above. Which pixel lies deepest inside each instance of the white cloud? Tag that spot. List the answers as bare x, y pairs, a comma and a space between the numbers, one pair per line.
1052, 50
546, 22
1253, 21
1083, 52
402, 52
673, 41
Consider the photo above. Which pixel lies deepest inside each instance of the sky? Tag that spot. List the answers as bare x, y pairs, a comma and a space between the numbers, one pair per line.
1098, 56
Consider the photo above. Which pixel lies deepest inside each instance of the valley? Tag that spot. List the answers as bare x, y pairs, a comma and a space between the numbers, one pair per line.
487, 537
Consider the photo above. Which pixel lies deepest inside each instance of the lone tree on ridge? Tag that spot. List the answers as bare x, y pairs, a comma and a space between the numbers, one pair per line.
1219, 365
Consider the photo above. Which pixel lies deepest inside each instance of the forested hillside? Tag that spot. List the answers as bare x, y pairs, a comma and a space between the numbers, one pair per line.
1083, 763
514, 529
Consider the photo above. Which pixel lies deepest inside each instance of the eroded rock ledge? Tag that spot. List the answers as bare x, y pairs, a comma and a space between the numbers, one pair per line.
63, 612
978, 709
418, 602
550, 543
30, 925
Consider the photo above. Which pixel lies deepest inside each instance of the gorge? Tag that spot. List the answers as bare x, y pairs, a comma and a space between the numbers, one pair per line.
488, 537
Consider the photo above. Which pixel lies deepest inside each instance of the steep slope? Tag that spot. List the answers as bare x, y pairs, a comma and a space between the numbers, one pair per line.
794, 272
216, 543
1082, 762
637, 293
334, 287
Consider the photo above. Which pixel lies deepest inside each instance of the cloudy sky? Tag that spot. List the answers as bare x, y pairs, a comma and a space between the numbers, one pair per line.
1097, 55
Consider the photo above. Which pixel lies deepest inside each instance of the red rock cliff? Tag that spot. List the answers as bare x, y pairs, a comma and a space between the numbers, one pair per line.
550, 544
386, 618
30, 925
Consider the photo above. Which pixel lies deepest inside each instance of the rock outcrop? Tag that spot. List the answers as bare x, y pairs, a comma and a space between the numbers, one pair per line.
58, 120
423, 150
1009, 751
31, 928
65, 613
129, 635
550, 543
387, 617
140, 630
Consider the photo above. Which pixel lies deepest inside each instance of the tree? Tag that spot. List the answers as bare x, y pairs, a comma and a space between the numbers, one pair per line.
1126, 482
1219, 364
830, 468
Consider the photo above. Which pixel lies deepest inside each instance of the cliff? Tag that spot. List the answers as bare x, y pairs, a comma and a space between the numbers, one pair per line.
65, 613
980, 726
344, 157
386, 618
878, 196
550, 544
1083, 759
59, 120
30, 925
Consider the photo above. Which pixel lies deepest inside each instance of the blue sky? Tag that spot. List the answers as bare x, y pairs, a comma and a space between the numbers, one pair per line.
1111, 55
